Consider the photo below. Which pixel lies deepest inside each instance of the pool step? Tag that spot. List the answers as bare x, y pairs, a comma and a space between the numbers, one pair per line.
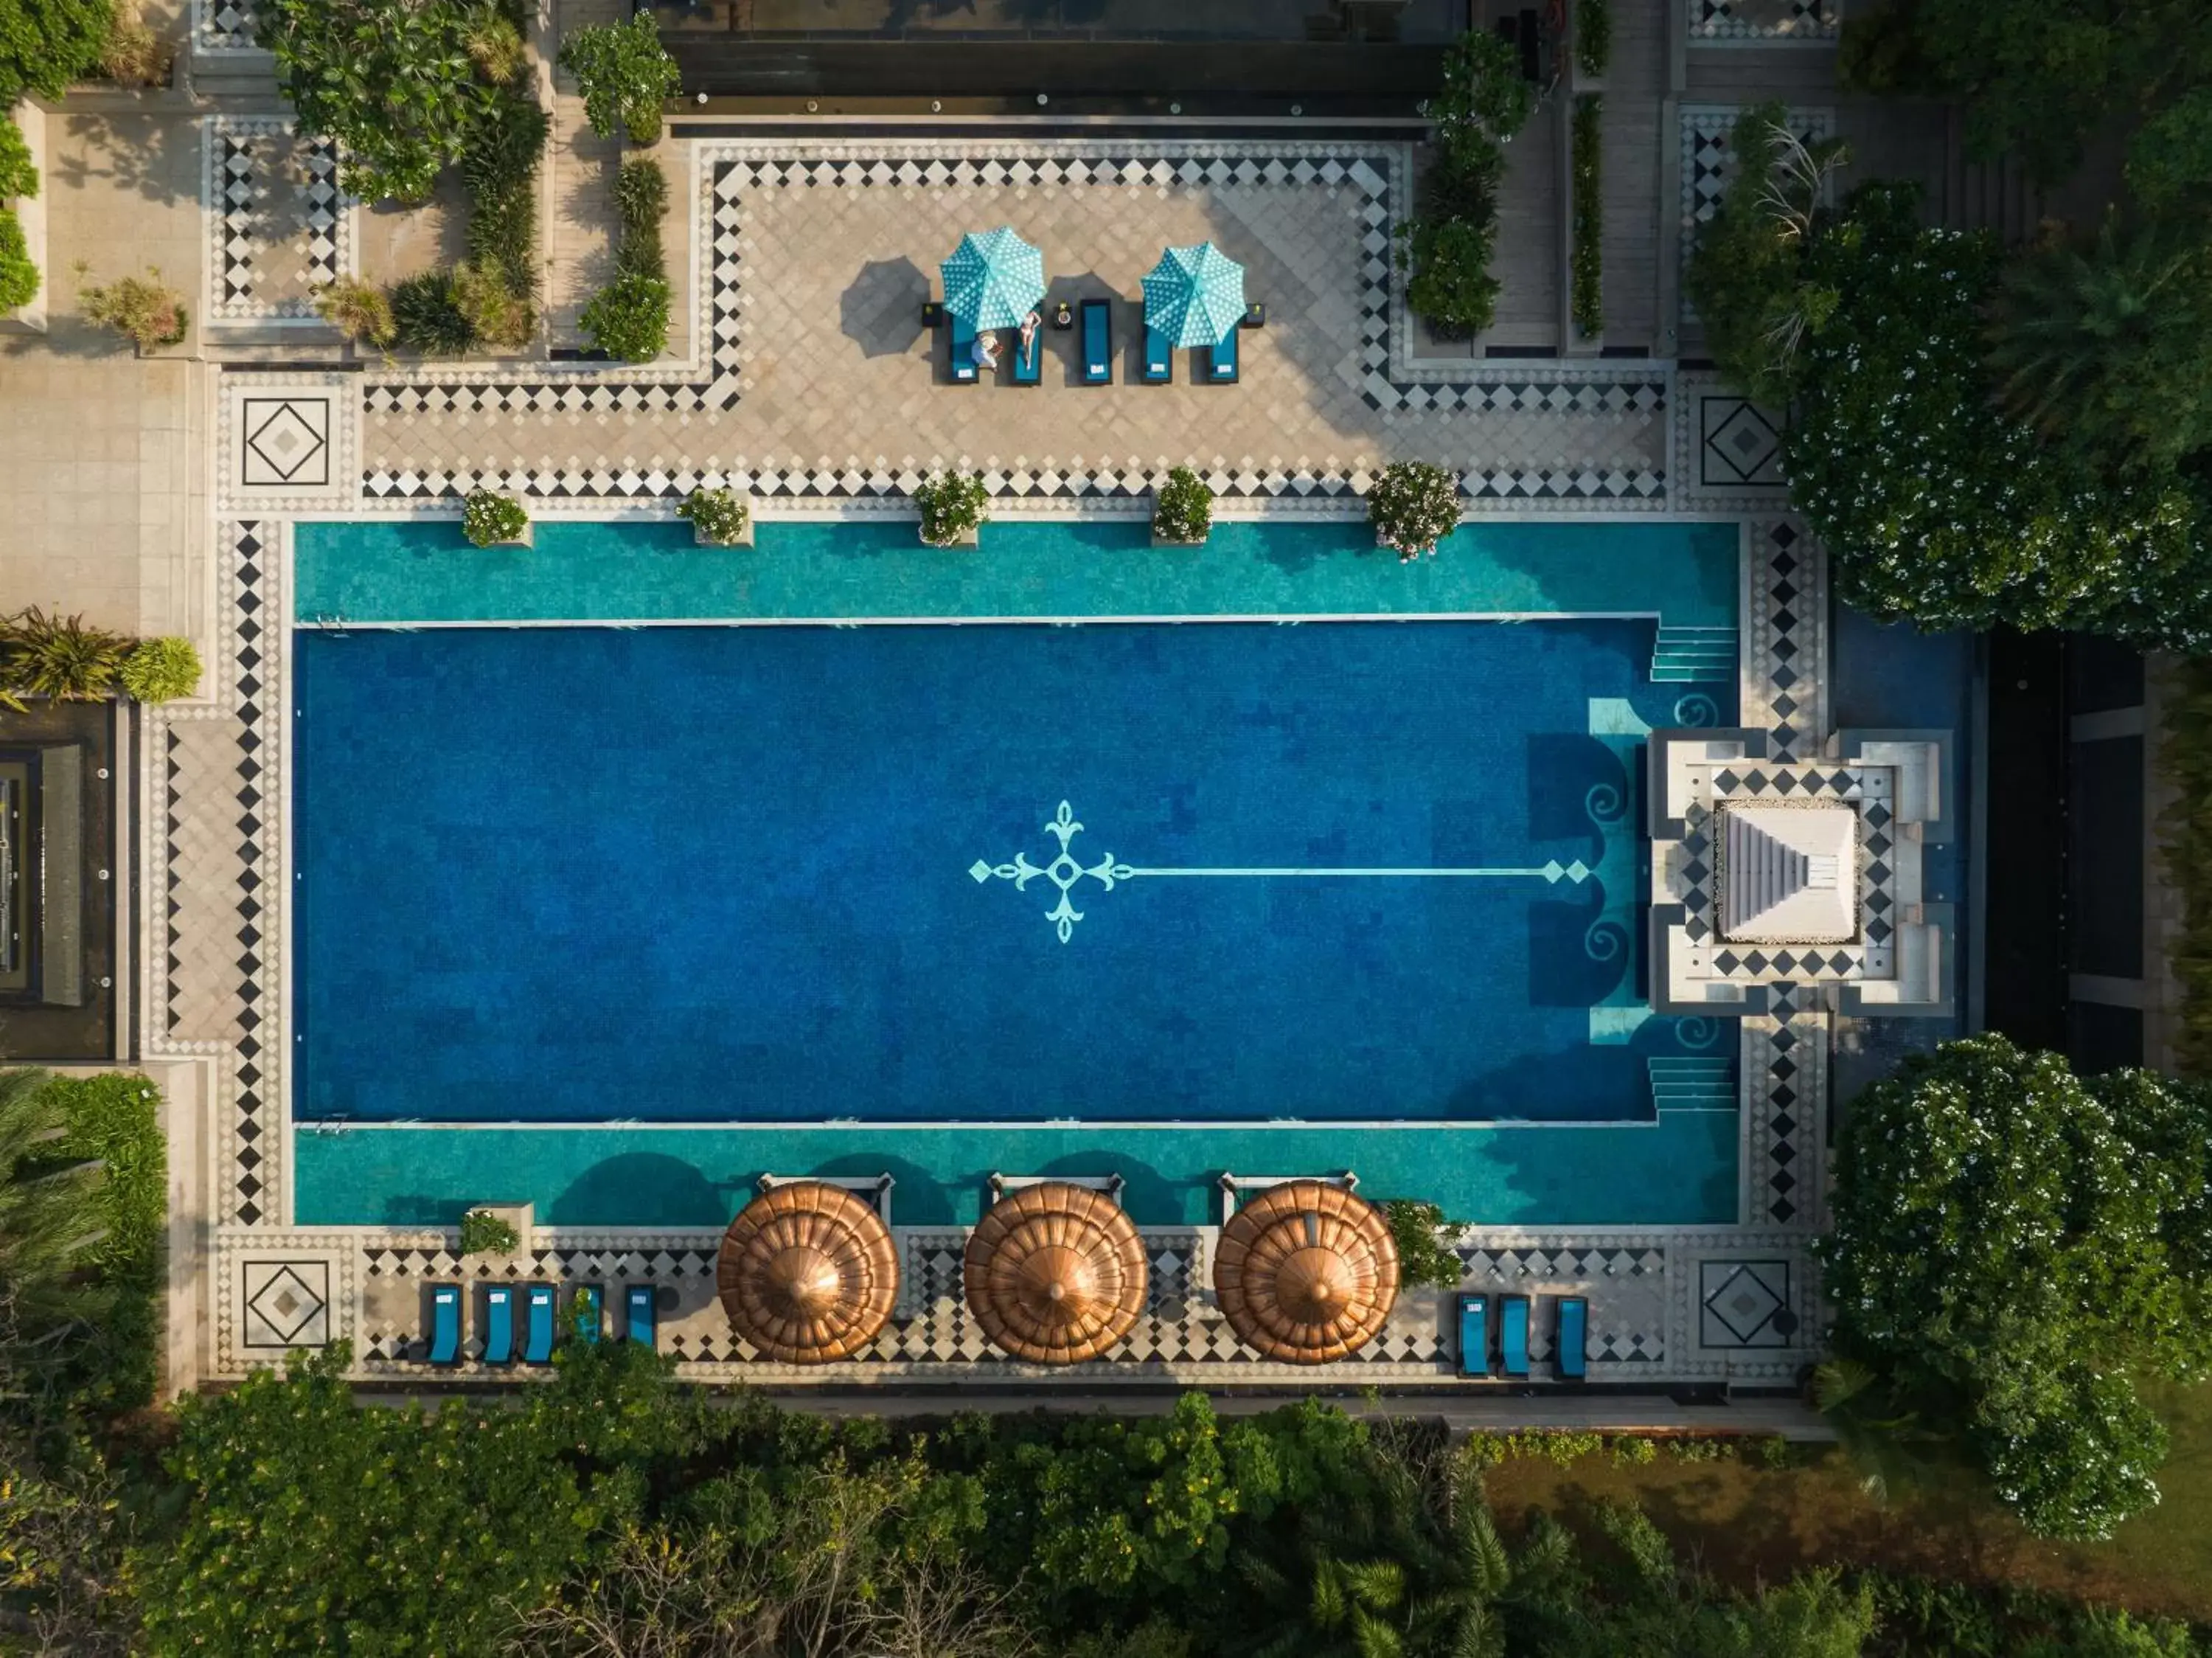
1687, 1084
1683, 653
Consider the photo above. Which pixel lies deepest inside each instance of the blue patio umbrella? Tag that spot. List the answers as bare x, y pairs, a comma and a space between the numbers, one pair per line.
993, 280
1194, 296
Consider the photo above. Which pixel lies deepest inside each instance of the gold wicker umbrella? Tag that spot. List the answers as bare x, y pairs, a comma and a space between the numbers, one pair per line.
807, 1273
1306, 1272
1055, 1273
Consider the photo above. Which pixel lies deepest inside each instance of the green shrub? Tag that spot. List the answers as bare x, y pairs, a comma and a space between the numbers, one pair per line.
1593, 36
718, 515
18, 276
497, 315
1589, 214
495, 46
18, 177
483, 1233
426, 312
1419, 1230
642, 197
628, 318
161, 670
1182, 507
1634, 1450
500, 166
60, 657
2185, 761
1412, 506
358, 310
624, 75
115, 1120
952, 504
145, 310
490, 519
46, 44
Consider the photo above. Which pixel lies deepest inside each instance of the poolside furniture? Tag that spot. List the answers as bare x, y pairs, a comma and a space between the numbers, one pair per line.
499, 1324
588, 1311
1028, 367
1571, 1338
446, 1324
537, 1325
1159, 358
1098, 340
640, 1306
1306, 1272
1513, 1335
963, 352
1474, 1335
1221, 361
807, 1273
1055, 1273
1194, 294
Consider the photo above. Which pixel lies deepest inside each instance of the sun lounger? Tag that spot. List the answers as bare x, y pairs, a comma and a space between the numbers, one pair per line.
1028, 366
588, 1311
446, 1324
963, 353
640, 1306
537, 1326
1474, 1335
1571, 1344
1159, 358
1513, 1334
1221, 361
1097, 342
499, 1325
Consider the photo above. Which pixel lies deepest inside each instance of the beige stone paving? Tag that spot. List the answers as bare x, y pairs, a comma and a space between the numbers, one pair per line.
838, 368
581, 166
204, 985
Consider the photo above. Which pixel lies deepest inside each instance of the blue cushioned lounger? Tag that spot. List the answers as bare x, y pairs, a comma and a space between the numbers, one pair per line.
1221, 361
1159, 358
963, 353
537, 1329
1513, 1334
499, 1325
1028, 366
1474, 1335
1569, 1349
446, 1324
638, 1310
1097, 342
588, 1312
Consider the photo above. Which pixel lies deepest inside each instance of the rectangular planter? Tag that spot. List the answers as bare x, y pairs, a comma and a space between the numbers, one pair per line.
31, 213
743, 539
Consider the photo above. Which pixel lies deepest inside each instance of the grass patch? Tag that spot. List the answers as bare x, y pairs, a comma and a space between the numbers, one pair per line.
1749, 1522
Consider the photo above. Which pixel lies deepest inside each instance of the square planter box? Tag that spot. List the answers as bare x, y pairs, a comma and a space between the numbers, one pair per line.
1159, 540
744, 538
965, 538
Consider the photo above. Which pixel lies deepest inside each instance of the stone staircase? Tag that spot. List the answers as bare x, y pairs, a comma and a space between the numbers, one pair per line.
1688, 1084
1684, 654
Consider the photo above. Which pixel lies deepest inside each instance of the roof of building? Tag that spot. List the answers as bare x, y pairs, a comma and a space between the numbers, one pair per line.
1789, 875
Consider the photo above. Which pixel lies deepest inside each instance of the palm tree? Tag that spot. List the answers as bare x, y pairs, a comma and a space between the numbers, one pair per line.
49, 1223
2103, 349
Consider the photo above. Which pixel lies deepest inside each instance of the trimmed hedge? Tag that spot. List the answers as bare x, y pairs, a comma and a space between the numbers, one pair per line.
1588, 273
628, 318
1447, 248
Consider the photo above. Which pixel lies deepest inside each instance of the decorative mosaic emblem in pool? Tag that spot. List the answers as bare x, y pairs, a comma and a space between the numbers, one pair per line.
1066, 873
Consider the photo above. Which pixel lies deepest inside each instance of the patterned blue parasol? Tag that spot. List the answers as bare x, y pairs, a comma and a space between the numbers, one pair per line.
1194, 296
993, 280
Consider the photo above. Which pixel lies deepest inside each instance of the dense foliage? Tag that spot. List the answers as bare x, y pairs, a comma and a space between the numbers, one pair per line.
499, 164
1413, 505
18, 177
46, 44
2011, 1246
1588, 182
1419, 1230
628, 318
18, 272
426, 315
1593, 36
483, 1233
489, 519
2185, 761
1182, 507
952, 505
719, 516
1446, 248
161, 670
358, 310
62, 657
624, 75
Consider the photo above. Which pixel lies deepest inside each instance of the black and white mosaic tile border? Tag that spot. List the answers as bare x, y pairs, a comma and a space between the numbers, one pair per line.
1783, 606
260, 223
288, 443
1735, 23
1785, 1063
221, 26
1724, 452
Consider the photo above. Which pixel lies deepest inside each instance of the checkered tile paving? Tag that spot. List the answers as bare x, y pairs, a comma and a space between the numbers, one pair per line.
279, 228
1764, 22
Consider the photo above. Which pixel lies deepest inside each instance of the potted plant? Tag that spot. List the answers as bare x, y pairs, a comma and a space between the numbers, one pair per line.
161, 670
488, 1232
625, 75
1412, 506
951, 509
145, 310
490, 518
1183, 510
718, 518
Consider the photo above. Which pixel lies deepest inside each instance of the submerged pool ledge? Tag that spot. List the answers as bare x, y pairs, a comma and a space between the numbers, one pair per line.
423, 572
1680, 1171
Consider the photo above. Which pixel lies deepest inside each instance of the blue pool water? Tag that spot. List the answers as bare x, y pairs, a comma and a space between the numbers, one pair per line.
749, 875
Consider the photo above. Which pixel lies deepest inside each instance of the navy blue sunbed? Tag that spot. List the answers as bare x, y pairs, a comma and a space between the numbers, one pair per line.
538, 1340
963, 352
1570, 1345
446, 1324
1513, 1334
1159, 358
1097, 342
638, 1311
1474, 1335
1029, 366
1221, 361
499, 1325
